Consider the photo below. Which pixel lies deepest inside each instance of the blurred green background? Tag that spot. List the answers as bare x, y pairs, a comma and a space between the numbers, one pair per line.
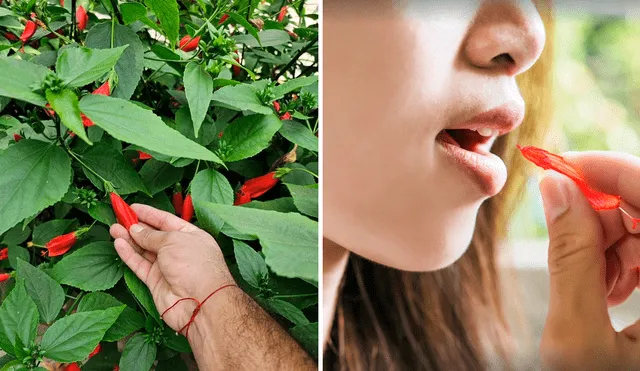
597, 99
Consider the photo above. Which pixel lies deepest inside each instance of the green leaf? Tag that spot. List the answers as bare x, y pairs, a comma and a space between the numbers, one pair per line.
132, 12
267, 38
16, 235
158, 176
242, 97
285, 309
45, 292
107, 161
294, 84
103, 213
44, 232
18, 78
169, 16
307, 336
65, 103
128, 122
283, 205
305, 198
82, 66
130, 65
249, 135
198, 86
94, 267
176, 341
35, 175
298, 177
16, 252
244, 23
138, 354
299, 134
210, 185
18, 319
105, 360
289, 240
73, 337
141, 292
129, 320
251, 264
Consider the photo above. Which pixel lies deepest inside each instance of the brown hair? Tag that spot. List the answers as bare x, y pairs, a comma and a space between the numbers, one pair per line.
452, 318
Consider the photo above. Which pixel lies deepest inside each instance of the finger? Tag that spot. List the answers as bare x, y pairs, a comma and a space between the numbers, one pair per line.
630, 225
139, 265
162, 220
576, 254
615, 173
118, 231
149, 238
624, 286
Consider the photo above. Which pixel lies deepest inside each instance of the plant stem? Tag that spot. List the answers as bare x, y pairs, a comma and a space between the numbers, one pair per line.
293, 296
85, 165
305, 170
73, 18
75, 302
116, 11
295, 58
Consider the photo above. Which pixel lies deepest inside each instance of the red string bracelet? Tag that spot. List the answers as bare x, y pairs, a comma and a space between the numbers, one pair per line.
197, 308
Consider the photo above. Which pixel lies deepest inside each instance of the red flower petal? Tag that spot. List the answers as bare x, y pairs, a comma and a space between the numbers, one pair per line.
550, 161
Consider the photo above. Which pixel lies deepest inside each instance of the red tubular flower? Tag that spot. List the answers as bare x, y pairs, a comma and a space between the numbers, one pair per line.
286, 116
223, 18
61, 244
4, 276
276, 105
50, 112
177, 202
144, 155
4, 254
72, 367
62, 3
293, 35
86, 121
104, 89
283, 12
29, 30
189, 44
116, 368
550, 161
187, 208
11, 37
82, 18
242, 198
17, 137
124, 214
95, 351
256, 187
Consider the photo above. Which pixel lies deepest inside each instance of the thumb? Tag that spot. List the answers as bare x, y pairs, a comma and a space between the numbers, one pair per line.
576, 253
147, 238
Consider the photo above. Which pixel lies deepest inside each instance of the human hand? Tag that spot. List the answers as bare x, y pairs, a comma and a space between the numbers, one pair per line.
174, 258
593, 263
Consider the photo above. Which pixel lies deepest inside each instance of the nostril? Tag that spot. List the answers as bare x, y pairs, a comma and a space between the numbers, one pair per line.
503, 59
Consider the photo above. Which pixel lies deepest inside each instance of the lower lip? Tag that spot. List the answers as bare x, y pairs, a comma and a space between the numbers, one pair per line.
486, 169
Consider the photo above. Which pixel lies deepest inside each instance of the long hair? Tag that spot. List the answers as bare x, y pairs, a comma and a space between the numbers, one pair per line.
453, 318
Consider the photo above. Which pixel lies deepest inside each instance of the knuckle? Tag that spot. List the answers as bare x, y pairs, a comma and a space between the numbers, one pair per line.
566, 248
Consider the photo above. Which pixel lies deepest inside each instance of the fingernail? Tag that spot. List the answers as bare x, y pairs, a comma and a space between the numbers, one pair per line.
136, 228
555, 195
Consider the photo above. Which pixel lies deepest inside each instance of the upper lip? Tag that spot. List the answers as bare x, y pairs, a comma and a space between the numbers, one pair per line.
503, 118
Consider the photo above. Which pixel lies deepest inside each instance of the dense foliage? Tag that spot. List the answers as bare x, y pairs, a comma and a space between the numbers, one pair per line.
154, 101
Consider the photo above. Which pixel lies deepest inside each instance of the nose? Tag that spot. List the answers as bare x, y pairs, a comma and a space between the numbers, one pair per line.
506, 36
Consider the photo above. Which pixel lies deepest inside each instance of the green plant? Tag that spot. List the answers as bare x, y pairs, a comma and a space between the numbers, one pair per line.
237, 101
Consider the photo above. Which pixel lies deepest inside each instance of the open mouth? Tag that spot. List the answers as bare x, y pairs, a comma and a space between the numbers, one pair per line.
470, 140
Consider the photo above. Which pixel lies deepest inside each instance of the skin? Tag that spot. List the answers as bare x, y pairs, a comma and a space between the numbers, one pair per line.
396, 74
176, 260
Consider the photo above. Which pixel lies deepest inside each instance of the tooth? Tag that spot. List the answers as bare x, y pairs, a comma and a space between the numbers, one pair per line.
485, 132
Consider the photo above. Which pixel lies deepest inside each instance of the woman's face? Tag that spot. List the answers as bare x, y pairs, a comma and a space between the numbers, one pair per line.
415, 93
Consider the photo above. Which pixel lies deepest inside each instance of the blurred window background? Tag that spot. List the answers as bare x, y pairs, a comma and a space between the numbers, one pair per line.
597, 107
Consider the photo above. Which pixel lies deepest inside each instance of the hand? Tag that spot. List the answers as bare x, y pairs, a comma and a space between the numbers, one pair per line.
174, 258
593, 263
